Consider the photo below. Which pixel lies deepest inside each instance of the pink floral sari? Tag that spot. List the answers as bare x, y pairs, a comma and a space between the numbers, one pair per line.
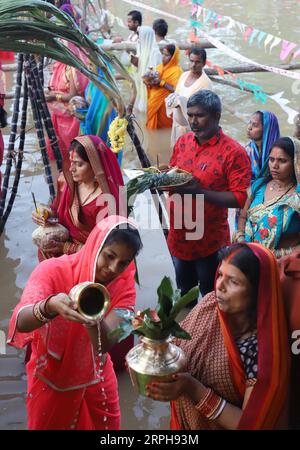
65, 390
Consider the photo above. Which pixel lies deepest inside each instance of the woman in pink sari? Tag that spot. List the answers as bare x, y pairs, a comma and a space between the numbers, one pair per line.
81, 202
71, 381
94, 171
66, 82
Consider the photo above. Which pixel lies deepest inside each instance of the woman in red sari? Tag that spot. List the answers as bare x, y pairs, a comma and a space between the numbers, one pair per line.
71, 381
93, 171
238, 369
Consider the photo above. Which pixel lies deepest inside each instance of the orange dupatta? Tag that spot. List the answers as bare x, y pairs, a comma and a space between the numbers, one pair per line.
156, 114
266, 405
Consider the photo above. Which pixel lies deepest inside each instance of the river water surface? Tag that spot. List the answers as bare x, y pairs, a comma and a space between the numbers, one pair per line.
17, 253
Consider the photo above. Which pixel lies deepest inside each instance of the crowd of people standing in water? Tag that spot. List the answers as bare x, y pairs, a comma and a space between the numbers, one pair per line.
241, 373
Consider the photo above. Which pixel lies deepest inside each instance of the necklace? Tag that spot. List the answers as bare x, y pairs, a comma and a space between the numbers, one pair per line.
89, 196
276, 186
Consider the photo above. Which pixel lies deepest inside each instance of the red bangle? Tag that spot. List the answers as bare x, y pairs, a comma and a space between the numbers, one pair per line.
209, 404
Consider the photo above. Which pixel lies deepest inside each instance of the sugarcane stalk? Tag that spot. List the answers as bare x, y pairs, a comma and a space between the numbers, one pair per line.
144, 160
20, 159
41, 70
39, 128
44, 111
13, 133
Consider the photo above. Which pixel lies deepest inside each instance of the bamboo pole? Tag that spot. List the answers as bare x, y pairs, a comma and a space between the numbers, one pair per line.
131, 46
125, 46
12, 137
233, 84
245, 68
83, 20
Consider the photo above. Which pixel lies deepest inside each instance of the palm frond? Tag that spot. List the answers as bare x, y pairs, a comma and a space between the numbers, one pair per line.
34, 26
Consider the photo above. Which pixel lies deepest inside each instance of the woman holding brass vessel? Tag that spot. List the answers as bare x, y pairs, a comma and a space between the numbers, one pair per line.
238, 371
93, 171
71, 380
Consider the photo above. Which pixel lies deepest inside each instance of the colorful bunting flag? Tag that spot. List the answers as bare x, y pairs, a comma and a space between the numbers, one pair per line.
249, 33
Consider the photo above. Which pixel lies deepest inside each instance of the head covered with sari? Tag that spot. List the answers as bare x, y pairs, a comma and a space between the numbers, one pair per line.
149, 56
100, 112
170, 73
214, 359
65, 345
71, 11
270, 134
267, 221
109, 177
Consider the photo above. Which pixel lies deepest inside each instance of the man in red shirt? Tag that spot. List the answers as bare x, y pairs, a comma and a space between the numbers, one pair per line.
222, 173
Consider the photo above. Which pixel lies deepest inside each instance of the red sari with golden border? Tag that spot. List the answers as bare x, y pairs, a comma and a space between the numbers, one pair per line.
81, 220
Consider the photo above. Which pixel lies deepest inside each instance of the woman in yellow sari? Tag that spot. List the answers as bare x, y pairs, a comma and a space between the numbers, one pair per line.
160, 87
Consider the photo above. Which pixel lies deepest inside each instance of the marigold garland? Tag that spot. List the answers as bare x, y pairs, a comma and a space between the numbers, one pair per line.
116, 133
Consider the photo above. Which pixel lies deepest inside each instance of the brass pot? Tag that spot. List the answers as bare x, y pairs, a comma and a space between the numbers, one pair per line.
91, 299
154, 360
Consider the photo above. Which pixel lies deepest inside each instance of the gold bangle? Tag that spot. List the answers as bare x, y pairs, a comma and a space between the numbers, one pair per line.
58, 97
162, 83
38, 314
66, 247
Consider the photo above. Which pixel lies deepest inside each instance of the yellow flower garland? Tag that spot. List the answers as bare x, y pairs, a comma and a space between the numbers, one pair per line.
116, 133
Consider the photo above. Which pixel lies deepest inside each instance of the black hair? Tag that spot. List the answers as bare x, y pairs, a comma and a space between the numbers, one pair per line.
160, 27
245, 260
261, 116
286, 144
125, 234
79, 149
199, 52
136, 16
207, 100
171, 48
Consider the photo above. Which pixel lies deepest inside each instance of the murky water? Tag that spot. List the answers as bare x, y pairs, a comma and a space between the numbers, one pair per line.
17, 253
